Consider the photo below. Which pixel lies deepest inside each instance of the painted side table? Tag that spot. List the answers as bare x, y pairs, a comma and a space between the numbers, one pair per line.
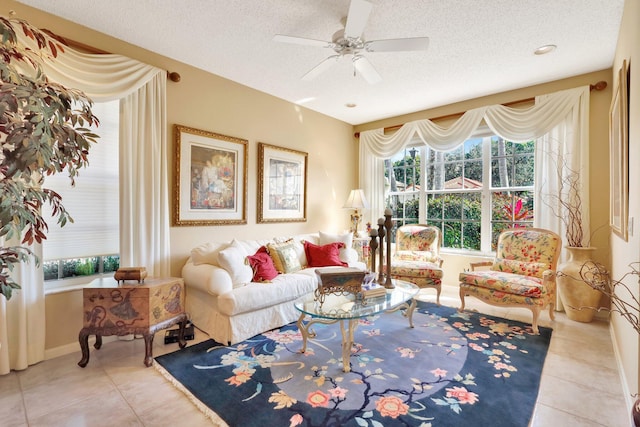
131, 308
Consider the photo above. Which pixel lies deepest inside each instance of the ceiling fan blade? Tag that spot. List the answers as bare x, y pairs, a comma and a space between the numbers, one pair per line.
357, 18
301, 40
321, 68
397, 45
364, 67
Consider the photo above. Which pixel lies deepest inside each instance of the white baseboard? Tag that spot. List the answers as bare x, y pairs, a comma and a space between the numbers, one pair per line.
628, 395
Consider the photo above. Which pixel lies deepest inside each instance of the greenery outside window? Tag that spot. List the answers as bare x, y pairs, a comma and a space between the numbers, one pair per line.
471, 193
74, 267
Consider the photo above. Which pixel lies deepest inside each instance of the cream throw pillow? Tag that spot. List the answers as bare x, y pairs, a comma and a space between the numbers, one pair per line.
232, 259
207, 253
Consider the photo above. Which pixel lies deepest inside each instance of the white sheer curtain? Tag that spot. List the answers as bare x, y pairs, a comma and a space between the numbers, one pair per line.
145, 239
22, 318
559, 121
144, 192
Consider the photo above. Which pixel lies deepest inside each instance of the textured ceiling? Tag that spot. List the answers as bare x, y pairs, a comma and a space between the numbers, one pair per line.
476, 48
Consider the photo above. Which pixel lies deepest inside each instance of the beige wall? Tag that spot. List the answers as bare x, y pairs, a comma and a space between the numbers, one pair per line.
627, 340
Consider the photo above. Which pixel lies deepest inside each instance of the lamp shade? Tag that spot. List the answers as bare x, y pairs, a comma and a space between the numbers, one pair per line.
357, 200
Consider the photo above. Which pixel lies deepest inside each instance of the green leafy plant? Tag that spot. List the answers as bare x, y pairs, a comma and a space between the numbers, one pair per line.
86, 268
44, 129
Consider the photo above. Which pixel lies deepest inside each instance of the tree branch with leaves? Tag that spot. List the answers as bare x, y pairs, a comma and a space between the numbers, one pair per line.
44, 129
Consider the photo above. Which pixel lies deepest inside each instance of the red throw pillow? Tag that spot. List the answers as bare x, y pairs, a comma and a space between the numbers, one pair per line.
324, 256
262, 265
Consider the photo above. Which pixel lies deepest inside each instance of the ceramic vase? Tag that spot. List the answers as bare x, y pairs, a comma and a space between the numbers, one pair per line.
579, 299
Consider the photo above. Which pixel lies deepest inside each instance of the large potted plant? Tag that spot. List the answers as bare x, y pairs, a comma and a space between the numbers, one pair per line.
44, 129
578, 298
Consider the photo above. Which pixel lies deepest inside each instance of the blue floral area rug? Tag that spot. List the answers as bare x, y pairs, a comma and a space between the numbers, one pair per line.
451, 369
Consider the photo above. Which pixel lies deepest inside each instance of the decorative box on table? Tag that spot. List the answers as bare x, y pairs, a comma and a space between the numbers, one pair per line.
338, 281
130, 273
112, 308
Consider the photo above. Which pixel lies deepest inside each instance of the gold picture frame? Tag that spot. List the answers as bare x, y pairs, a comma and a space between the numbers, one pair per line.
619, 155
210, 178
282, 184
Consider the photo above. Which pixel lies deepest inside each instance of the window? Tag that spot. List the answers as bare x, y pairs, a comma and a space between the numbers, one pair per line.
471, 193
89, 245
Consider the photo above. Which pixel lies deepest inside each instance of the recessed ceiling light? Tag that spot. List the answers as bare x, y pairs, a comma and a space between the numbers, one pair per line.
545, 49
350, 105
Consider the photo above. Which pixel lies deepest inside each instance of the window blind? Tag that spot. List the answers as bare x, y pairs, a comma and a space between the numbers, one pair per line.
93, 202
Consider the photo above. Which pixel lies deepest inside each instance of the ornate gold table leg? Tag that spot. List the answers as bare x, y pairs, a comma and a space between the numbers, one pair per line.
409, 312
307, 332
409, 308
347, 342
303, 330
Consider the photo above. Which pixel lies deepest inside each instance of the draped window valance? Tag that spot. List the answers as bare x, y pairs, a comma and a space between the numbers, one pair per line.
558, 122
516, 125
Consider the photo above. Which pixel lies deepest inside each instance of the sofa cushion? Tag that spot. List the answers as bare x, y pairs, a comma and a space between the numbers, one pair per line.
285, 288
232, 259
501, 283
284, 256
262, 266
534, 269
207, 253
325, 255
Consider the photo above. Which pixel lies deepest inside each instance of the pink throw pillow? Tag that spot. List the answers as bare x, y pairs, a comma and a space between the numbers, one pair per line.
324, 256
262, 265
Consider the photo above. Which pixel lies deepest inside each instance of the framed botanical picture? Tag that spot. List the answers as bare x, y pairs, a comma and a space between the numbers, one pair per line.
211, 178
619, 155
282, 184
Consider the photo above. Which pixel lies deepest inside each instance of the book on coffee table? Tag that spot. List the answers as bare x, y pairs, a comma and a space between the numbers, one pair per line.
372, 290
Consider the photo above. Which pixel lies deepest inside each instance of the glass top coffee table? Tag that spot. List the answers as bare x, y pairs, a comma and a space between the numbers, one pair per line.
341, 308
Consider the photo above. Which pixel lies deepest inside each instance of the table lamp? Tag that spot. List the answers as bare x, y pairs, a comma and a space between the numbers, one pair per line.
356, 201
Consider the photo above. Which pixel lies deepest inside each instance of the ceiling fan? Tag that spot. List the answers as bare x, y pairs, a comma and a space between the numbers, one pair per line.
349, 42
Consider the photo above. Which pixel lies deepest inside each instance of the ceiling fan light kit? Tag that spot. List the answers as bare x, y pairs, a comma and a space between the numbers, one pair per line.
349, 42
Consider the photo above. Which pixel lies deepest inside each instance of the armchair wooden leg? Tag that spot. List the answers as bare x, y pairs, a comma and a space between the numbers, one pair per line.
534, 325
462, 295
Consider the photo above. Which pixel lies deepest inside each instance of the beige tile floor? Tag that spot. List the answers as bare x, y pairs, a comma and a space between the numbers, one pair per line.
580, 382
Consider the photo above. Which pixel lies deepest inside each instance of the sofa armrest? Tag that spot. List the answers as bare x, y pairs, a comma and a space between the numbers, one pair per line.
206, 277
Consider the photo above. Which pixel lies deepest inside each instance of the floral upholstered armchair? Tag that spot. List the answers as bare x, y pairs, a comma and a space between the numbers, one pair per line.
416, 257
523, 273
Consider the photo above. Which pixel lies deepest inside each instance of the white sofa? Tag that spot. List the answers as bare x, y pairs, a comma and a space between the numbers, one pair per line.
223, 301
